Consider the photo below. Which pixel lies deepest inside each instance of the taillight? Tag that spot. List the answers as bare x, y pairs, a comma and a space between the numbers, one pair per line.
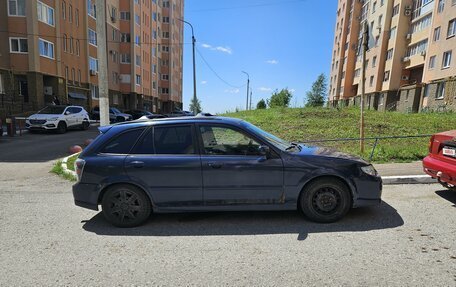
431, 141
79, 167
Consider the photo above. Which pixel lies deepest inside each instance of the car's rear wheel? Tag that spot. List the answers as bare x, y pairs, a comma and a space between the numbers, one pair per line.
325, 200
126, 206
61, 128
85, 125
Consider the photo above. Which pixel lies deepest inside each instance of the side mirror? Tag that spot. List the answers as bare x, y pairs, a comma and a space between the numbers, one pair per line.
264, 150
67, 113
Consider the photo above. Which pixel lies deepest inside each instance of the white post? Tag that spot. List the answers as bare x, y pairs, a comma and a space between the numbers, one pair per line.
102, 63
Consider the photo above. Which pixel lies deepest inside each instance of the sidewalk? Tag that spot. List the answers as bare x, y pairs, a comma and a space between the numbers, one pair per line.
403, 173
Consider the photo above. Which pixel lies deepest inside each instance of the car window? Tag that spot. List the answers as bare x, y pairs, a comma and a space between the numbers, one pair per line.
76, 110
146, 144
123, 143
173, 140
227, 141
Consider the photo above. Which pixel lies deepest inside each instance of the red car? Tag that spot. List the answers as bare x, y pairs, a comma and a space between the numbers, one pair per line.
441, 161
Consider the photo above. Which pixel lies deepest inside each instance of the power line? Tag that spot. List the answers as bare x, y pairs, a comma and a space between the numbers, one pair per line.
248, 6
215, 73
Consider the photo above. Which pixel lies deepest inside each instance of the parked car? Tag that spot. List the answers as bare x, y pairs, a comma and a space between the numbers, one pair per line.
140, 113
115, 116
179, 113
58, 118
441, 161
208, 163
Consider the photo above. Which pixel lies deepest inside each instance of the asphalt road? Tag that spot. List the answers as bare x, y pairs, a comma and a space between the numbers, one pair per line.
42, 147
409, 240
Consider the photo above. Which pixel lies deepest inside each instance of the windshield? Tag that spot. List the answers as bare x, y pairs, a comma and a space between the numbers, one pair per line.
277, 142
52, 110
115, 111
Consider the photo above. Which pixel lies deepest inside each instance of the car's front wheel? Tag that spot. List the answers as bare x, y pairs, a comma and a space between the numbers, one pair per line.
61, 128
325, 200
126, 206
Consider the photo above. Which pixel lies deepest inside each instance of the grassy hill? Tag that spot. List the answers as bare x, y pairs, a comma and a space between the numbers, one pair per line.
304, 124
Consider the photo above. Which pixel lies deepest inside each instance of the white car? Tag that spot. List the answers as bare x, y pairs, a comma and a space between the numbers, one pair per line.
59, 118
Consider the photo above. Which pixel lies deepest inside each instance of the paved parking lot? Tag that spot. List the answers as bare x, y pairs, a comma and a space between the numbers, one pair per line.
45, 240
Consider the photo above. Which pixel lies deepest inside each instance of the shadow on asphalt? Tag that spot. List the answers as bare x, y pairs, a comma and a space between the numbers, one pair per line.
448, 195
43, 146
379, 217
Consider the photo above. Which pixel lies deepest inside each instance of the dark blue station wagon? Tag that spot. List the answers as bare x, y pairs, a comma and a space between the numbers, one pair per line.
208, 163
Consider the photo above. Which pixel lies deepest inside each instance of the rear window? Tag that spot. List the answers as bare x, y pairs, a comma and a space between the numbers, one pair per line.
167, 140
123, 143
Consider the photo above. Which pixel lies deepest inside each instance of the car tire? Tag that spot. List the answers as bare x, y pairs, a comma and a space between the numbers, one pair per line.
446, 185
85, 125
61, 128
125, 205
325, 200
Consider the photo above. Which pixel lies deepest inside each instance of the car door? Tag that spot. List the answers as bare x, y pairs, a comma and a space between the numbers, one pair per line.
167, 161
78, 116
234, 169
70, 116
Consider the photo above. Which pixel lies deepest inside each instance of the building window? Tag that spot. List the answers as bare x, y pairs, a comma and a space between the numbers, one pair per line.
45, 13
76, 17
441, 6
77, 48
67, 74
138, 80
440, 94
18, 45
392, 33
436, 36
357, 73
137, 19
138, 40
92, 37
386, 76
451, 28
166, 35
389, 54
417, 48
79, 77
165, 49
2, 87
164, 90
446, 63
125, 59
16, 7
65, 43
371, 81
374, 6
94, 92
73, 75
46, 48
71, 45
165, 19
374, 61
154, 68
125, 15
70, 13
396, 10
91, 8
63, 10
138, 61
165, 77
125, 37
432, 62
93, 64
421, 24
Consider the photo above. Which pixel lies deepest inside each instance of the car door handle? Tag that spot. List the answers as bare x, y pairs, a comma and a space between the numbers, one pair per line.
136, 164
215, 165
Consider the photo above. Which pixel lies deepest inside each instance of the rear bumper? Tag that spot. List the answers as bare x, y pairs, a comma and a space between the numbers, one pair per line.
86, 195
443, 171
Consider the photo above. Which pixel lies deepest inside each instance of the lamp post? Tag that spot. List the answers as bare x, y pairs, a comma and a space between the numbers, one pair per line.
248, 83
194, 68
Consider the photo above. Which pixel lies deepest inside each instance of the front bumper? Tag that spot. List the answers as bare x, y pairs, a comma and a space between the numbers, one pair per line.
48, 125
443, 171
86, 195
369, 191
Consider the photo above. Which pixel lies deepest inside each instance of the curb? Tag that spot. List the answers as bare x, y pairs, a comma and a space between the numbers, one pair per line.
408, 179
65, 167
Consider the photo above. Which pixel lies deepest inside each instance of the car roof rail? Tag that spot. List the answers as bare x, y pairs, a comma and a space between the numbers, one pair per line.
205, 115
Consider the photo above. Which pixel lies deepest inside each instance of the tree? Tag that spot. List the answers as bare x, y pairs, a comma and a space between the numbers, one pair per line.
195, 107
316, 97
280, 99
261, 105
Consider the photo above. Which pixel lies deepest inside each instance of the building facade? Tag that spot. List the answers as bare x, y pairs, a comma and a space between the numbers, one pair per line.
50, 50
410, 63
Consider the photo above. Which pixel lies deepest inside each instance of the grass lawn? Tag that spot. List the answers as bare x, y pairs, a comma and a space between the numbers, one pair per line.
57, 169
70, 162
304, 124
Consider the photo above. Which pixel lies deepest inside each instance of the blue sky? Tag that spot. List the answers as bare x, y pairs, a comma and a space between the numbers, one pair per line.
280, 43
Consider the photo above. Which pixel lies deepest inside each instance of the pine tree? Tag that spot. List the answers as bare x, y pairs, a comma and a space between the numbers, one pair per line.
195, 107
261, 105
316, 97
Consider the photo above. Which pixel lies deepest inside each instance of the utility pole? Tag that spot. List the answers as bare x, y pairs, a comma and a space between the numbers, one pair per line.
195, 99
250, 99
248, 87
363, 83
102, 63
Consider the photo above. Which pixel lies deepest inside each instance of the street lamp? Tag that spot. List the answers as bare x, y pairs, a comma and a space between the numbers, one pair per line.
194, 68
248, 83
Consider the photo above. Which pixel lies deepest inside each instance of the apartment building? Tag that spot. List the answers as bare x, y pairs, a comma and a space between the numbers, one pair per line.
51, 50
407, 38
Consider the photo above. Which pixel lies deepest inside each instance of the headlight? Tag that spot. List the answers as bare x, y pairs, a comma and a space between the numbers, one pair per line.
52, 119
369, 169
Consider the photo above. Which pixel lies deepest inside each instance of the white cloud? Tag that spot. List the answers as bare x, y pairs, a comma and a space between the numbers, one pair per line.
222, 49
272, 62
264, 89
232, 91
292, 90
203, 82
